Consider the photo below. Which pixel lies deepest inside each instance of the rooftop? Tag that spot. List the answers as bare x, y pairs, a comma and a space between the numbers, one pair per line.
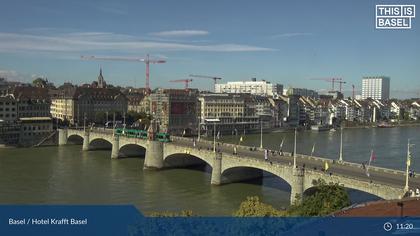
392, 208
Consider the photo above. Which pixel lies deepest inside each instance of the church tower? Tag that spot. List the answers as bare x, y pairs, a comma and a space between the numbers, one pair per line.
101, 81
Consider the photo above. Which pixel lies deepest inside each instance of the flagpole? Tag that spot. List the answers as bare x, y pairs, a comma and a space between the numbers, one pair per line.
341, 145
261, 136
294, 151
214, 132
408, 162
313, 149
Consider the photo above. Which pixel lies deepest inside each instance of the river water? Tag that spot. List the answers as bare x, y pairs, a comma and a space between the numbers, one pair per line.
66, 175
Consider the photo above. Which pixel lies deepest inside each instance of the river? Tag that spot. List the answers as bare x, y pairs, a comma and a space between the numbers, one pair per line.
66, 175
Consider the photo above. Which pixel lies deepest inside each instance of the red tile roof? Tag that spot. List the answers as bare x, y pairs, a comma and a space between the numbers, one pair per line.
392, 208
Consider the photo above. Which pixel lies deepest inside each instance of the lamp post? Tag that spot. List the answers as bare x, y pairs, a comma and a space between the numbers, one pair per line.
113, 124
214, 131
294, 150
341, 144
261, 135
408, 163
84, 122
198, 131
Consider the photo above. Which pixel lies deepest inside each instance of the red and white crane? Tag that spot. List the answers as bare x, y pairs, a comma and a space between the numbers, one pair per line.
215, 79
185, 81
146, 61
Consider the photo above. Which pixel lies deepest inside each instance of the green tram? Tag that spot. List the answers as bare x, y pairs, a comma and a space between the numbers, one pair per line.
163, 137
135, 133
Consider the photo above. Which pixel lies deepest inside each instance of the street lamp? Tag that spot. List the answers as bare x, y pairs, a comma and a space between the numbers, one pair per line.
341, 144
408, 163
261, 135
84, 122
294, 150
199, 130
214, 131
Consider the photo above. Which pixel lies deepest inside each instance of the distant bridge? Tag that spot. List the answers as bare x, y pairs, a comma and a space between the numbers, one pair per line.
247, 164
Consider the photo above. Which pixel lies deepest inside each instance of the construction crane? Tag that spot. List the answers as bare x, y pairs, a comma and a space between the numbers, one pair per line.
186, 81
207, 77
146, 61
353, 91
341, 84
333, 81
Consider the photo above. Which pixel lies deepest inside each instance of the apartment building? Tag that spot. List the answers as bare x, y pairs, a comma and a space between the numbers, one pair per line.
254, 87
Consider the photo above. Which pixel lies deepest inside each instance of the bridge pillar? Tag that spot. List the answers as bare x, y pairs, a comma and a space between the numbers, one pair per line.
62, 137
297, 187
85, 141
216, 173
154, 155
115, 147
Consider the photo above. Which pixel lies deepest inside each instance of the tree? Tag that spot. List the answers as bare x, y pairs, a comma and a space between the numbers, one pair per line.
326, 199
253, 207
39, 82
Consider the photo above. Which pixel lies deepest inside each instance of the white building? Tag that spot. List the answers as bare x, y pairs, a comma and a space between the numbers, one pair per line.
376, 87
262, 88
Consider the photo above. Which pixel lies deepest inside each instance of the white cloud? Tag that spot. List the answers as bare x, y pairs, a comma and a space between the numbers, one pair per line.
180, 33
105, 41
288, 35
12, 75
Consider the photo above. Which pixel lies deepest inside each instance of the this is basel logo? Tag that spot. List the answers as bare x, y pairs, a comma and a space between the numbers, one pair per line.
394, 16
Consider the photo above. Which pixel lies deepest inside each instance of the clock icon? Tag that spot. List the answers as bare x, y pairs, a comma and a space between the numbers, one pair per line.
387, 226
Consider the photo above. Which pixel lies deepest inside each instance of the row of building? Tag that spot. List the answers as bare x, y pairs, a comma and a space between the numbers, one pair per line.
240, 107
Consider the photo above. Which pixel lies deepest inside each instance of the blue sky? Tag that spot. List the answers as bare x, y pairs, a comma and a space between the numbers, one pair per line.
281, 41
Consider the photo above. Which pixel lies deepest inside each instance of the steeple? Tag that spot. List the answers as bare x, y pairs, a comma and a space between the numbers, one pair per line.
101, 81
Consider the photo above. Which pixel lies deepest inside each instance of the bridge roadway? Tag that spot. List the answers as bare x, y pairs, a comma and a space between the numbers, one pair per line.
378, 175
382, 182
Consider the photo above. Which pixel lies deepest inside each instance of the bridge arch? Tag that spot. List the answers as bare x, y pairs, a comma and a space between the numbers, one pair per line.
132, 150
99, 143
74, 139
372, 188
283, 172
245, 173
185, 160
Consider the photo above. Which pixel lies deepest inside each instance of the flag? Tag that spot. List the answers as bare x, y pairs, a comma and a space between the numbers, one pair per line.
409, 160
241, 139
313, 149
281, 144
183, 132
372, 156
218, 134
326, 166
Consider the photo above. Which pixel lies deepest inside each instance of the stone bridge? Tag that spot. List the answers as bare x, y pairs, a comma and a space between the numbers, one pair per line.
227, 167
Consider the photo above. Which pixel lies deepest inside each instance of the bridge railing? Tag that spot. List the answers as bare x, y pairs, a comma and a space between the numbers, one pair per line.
321, 159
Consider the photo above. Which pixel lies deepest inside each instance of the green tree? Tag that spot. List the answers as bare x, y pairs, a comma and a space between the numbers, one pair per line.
326, 199
253, 207
39, 82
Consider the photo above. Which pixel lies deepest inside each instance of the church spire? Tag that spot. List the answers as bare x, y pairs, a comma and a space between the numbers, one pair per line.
101, 81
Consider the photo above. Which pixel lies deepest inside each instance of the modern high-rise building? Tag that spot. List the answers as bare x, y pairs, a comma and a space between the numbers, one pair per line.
376, 87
